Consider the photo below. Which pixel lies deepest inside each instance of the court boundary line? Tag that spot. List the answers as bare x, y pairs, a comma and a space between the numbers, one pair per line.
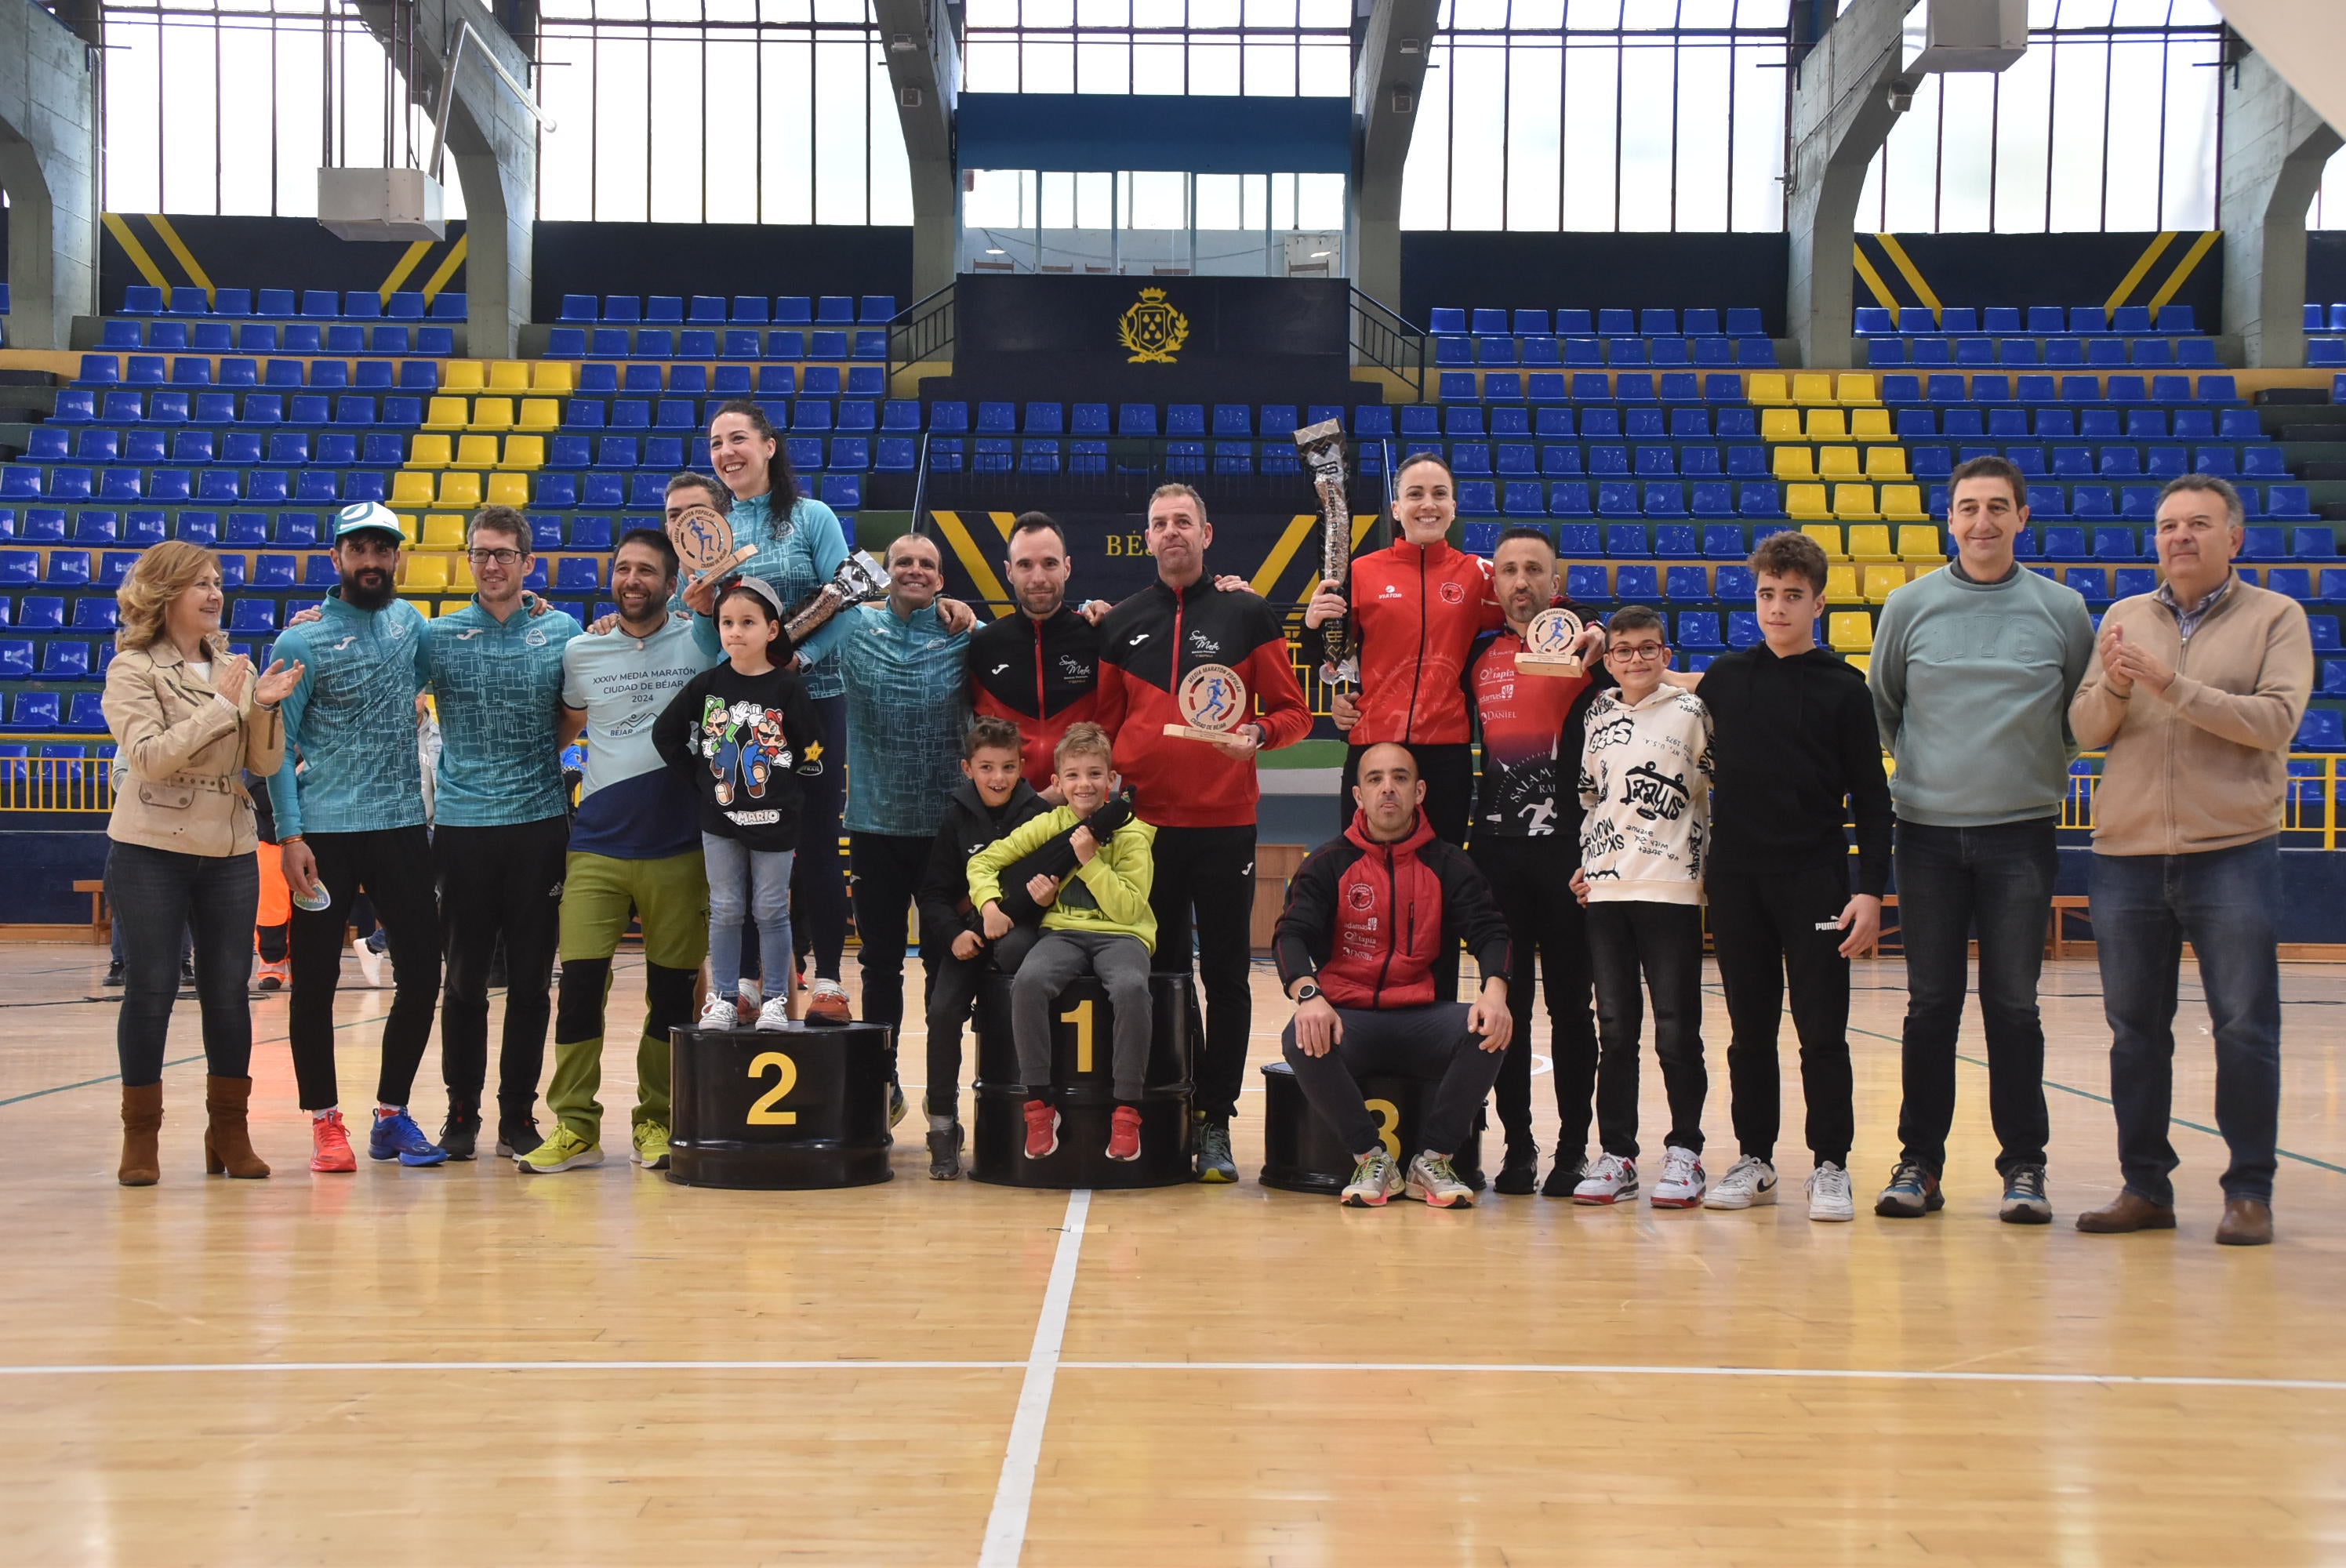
1013, 1492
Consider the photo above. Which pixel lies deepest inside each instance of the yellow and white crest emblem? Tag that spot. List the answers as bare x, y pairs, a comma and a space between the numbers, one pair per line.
1153, 330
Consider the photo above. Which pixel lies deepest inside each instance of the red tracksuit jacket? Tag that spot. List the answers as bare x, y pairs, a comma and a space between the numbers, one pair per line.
1370, 919
1041, 679
1418, 612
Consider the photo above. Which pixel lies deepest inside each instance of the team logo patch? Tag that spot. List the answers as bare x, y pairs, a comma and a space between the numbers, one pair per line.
1451, 594
1360, 896
1153, 330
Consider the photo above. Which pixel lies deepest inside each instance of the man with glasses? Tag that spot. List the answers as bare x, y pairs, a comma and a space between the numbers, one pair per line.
501, 830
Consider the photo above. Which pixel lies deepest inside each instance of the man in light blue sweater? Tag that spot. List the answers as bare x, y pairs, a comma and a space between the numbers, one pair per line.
1972, 669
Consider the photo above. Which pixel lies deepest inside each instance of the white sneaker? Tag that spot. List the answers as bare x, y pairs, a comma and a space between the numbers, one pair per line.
1610, 1180
1682, 1180
753, 991
1828, 1198
774, 1016
370, 963
718, 1012
1748, 1181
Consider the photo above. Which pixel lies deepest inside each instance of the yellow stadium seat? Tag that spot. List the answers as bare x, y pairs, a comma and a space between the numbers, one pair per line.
425, 574
410, 488
1840, 584
1826, 424
464, 375
1809, 388
523, 452
429, 452
1870, 541
1853, 501
423, 607
1838, 462
1827, 536
448, 414
1903, 504
1857, 389
460, 487
509, 490
1860, 663
1849, 631
1871, 424
1886, 462
1780, 424
1806, 500
1766, 388
553, 376
460, 575
493, 413
476, 452
1794, 463
1916, 542
509, 375
410, 525
443, 530
539, 413
1880, 582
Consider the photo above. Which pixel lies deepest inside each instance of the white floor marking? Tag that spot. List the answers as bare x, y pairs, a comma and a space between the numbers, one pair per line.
1006, 1528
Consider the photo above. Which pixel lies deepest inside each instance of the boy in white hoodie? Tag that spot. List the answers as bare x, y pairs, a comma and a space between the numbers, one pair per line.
1645, 784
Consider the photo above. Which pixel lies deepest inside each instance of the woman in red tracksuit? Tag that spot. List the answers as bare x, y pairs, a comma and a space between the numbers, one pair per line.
1417, 605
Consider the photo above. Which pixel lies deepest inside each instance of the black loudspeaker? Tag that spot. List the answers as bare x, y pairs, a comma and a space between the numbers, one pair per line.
1300, 1153
1082, 1031
795, 1107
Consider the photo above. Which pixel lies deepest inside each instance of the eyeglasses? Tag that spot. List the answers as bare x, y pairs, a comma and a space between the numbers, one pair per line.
1636, 653
500, 557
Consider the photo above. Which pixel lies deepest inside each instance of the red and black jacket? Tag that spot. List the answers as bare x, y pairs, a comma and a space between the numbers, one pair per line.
1148, 643
1418, 610
1531, 727
1369, 920
1040, 676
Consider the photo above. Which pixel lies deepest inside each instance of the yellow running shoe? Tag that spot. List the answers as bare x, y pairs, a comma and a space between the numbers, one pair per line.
564, 1150
651, 1145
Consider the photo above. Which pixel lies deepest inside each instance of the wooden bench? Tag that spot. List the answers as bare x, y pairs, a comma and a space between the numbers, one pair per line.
2056, 937
100, 927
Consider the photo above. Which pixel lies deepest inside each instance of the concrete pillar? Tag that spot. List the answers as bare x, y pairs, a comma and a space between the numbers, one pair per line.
924, 69
1840, 117
2275, 146
491, 157
49, 142
1390, 72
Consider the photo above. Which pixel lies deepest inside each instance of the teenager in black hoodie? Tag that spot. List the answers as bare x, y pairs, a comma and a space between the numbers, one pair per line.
1795, 746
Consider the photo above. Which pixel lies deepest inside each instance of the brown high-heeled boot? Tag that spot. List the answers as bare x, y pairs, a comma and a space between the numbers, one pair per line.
142, 1124
228, 1142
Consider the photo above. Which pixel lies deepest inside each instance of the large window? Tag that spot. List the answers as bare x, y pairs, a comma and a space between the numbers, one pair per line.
1601, 114
2109, 122
1273, 48
232, 108
727, 111
1152, 221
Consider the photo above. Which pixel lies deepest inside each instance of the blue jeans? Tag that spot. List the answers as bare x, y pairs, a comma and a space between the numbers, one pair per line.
745, 884
2146, 907
1999, 880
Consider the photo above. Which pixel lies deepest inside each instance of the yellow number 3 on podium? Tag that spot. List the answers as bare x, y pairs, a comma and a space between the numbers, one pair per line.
786, 1077
1388, 1115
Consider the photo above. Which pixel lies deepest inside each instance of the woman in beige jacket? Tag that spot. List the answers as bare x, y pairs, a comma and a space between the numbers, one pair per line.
189, 719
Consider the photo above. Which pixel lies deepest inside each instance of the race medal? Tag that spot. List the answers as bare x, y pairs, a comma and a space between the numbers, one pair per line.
704, 541
1213, 700
1548, 645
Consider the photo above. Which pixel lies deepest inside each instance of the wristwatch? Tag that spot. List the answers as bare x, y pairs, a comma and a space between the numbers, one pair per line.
1310, 989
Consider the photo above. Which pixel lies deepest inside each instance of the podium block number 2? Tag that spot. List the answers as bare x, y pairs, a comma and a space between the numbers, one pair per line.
786, 1077
1080, 1015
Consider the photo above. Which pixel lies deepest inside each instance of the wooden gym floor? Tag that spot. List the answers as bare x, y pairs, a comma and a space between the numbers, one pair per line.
467, 1366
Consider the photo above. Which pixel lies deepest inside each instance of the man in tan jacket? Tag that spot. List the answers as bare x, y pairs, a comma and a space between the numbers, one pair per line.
2196, 691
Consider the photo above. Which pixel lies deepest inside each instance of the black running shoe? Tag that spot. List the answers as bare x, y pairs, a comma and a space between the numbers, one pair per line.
1563, 1176
1519, 1172
944, 1155
1214, 1162
460, 1135
517, 1138
113, 974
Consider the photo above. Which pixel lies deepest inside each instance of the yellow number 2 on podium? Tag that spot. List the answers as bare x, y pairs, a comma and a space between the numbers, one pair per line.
786, 1078
1388, 1115
1080, 1015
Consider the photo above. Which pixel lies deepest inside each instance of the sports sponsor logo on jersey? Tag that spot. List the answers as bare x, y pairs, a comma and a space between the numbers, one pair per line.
1451, 594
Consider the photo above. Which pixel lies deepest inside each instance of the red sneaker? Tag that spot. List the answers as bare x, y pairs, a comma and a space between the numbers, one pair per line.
330, 1145
1124, 1134
827, 1003
1043, 1130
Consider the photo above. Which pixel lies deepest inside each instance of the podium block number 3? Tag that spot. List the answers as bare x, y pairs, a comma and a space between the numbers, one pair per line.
1388, 1115
786, 1077
1080, 1015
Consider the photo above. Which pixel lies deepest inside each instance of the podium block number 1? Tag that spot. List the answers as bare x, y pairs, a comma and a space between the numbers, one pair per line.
1080, 1015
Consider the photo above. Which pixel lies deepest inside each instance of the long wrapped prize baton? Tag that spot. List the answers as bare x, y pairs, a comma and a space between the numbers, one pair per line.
1322, 449
858, 581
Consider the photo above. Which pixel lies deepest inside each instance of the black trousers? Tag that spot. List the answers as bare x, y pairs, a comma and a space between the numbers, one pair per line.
499, 883
1663, 942
393, 866
952, 992
157, 897
1430, 1043
1532, 880
818, 888
1204, 892
887, 871
1768, 929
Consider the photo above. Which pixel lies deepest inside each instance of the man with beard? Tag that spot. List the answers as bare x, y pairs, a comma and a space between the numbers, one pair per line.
1039, 668
634, 853
351, 820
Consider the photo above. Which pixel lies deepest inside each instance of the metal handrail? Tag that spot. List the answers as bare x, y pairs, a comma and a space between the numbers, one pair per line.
1380, 336
920, 331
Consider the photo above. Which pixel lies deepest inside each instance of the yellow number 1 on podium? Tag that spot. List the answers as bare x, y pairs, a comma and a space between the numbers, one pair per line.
1080, 1015
786, 1077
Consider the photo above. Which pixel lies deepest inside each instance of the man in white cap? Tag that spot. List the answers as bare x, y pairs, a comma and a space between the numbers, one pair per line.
352, 819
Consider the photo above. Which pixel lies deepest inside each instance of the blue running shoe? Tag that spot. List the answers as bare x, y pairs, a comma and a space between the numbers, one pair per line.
397, 1137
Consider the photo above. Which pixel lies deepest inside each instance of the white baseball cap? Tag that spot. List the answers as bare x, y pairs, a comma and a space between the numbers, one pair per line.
367, 517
